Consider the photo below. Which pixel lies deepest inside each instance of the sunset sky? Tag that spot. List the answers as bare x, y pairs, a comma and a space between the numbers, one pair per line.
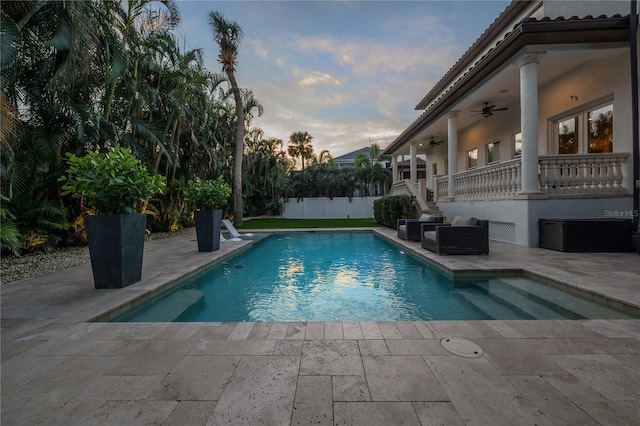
347, 72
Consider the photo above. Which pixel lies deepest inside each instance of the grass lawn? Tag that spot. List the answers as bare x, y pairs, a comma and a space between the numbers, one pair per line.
308, 223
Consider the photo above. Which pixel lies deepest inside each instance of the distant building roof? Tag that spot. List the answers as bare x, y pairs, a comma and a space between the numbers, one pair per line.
350, 157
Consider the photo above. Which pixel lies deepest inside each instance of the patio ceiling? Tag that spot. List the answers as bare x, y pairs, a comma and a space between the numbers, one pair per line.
502, 87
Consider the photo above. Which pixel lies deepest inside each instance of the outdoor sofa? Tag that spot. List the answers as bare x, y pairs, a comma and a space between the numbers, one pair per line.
409, 229
464, 235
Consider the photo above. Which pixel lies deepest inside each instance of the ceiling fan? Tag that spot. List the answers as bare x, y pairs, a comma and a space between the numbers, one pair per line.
433, 142
488, 110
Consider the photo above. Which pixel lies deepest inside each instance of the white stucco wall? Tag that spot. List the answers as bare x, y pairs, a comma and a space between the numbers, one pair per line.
325, 208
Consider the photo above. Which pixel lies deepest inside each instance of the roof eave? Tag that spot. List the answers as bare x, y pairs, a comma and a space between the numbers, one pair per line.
500, 24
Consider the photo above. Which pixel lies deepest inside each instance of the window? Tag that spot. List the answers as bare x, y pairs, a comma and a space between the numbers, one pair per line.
600, 128
596, 123
568, 136
472, 158
493, 152
434, 169
517, 145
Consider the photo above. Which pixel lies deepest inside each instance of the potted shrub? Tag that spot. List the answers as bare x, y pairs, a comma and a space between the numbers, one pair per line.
207, 198
117, 187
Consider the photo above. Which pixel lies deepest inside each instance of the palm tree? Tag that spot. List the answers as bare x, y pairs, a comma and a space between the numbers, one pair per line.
370, 170
228, 34
300, 146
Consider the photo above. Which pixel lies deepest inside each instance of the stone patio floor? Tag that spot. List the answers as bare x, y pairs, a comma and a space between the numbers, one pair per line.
60, 368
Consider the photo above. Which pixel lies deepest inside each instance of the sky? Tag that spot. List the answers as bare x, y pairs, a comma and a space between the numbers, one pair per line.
349, 73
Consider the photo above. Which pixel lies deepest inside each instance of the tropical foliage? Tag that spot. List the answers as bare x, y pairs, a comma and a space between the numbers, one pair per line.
82, 77
114, 182
207, 194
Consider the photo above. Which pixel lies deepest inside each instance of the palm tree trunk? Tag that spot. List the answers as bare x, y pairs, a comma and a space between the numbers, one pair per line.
237, 161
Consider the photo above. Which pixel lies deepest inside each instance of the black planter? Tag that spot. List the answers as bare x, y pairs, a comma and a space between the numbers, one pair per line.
208, 223
116, 246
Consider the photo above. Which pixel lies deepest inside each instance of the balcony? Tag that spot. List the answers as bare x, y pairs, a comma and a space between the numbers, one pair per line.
560, 176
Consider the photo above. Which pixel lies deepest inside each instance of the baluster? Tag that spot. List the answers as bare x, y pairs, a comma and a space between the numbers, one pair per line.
594, 172
580, 187
610, 175
617, 169
571, 176
485, 184
565, 180
554, 180
602, 181
544, 177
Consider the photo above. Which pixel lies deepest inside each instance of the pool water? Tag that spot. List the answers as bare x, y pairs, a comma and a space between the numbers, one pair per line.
351, 277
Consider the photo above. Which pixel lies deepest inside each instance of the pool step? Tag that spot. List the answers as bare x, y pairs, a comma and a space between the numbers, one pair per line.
578, 305
488, 305
168, 309
519, 298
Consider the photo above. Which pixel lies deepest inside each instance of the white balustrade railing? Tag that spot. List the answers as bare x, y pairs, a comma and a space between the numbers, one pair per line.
441, 188
582, 174
560, 176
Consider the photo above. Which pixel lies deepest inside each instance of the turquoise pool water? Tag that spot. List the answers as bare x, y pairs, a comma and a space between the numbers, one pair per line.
351, 277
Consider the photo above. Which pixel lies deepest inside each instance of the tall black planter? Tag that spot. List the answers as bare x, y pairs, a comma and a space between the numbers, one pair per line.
116, 246
208, 223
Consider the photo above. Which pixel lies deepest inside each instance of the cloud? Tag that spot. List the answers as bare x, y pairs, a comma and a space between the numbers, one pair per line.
315, 77
365, 57
257, 46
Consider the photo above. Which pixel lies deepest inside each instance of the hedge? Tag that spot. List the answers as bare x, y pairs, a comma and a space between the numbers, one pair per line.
387, 210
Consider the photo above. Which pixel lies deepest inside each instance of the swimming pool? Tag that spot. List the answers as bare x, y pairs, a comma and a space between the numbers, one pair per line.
351, 277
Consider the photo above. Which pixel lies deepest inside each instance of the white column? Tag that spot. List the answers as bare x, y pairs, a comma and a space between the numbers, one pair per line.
394, 168
452, 150
528, 65
413, 172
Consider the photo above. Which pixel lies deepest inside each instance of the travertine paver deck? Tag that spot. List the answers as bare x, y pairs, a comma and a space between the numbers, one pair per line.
60, 369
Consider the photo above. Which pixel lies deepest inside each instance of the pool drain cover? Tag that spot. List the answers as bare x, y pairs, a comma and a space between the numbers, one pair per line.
461, 347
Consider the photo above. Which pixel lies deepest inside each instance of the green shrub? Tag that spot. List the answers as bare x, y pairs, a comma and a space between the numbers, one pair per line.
207, 194
9, 235
387, 210
113, 183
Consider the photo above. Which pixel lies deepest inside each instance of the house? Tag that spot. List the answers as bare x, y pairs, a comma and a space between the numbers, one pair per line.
535, 120
348, 160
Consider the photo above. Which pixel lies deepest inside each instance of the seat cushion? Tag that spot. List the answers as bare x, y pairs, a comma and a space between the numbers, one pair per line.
464, 221
430, 235
402, 228
427, 218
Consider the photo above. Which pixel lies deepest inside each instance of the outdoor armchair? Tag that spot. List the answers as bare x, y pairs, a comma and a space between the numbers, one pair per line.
409, 229
464, 235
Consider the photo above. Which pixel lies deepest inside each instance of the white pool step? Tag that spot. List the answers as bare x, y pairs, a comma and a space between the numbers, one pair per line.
579, 305
170, 308
487, 304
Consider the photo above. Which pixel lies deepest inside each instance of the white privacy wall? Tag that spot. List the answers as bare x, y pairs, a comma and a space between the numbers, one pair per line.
325, 208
